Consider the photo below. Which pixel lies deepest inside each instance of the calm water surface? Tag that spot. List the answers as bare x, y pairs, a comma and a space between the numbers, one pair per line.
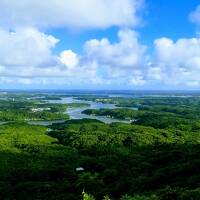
76, 113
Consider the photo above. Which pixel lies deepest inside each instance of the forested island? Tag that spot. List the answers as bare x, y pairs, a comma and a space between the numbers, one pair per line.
153, 157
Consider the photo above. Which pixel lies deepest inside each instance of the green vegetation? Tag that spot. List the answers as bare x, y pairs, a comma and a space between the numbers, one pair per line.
156, 157
129, 159
163, 113
22, 109
119, 113
28, 116
141, 101
33, 165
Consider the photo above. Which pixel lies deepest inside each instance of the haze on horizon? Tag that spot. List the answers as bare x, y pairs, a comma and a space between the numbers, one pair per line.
115, 44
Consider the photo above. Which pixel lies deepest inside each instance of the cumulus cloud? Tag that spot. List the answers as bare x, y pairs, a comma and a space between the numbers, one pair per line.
126, 53
27, 53
101, 63
26, 47
121, 59
27, 56
177, 63
69, 13
69, 58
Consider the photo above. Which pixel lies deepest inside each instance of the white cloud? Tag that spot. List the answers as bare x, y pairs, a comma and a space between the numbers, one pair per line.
27, 53
184, 52
27, 58
154, 72
26, 47
195, 16
177, 63
125, 53
69, 58
120, 59
69, 13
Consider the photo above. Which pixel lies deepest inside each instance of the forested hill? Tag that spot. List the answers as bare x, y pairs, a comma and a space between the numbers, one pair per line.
155, 157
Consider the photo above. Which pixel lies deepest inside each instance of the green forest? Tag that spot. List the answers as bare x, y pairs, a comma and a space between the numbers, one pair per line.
153, 157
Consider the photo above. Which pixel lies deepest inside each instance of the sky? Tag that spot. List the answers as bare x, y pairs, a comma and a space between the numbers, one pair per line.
100, 44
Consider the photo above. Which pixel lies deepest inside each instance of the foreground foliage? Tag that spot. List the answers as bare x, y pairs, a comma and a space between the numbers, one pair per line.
117, 159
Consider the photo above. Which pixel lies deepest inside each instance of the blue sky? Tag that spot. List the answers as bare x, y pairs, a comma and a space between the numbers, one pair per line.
119, 44
167, 18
